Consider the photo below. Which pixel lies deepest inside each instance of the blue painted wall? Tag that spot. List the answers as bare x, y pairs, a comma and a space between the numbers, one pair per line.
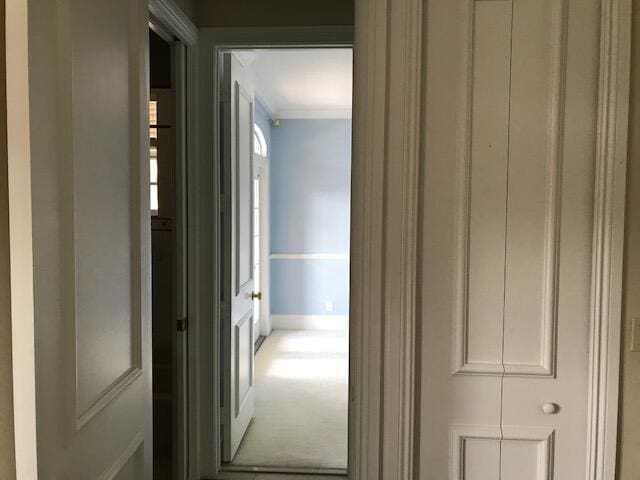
300, 287
310, 179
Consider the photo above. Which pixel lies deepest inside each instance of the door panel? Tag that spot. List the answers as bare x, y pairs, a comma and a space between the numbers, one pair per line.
569, 302
91, 238
463, 243
244, 359
533, 179
508, 228
238, 283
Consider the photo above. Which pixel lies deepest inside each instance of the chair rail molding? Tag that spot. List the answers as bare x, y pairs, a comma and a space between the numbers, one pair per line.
386, 161
608, 237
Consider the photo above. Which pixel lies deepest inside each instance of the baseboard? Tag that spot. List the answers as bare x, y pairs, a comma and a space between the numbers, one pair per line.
309, 322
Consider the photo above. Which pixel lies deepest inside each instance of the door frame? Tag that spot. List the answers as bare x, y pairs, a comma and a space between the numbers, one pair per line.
214, 41
20, 240
608, 238
168, 21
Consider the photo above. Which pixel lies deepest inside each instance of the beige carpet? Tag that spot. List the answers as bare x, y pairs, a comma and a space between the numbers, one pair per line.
301, 402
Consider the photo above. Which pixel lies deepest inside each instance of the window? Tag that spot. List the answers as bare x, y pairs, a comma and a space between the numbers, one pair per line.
153, 156
259, 142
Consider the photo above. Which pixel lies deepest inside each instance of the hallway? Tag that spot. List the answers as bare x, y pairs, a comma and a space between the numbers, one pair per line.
301, 402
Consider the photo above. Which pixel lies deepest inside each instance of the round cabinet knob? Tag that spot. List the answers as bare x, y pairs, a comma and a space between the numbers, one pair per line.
550, 408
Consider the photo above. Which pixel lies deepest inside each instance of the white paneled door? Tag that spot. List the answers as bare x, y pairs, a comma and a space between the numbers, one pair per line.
91, 238
511, 99
238, 278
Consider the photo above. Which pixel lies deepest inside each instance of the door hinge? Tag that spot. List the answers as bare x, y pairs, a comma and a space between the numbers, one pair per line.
182, 324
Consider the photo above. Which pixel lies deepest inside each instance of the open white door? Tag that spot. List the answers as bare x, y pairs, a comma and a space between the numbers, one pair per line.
91, 237
237, 303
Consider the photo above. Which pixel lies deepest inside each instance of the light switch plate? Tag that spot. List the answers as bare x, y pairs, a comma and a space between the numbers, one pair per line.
635, 334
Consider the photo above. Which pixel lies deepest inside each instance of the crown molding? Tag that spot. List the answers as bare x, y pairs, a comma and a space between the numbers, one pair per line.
168, 14
309, 114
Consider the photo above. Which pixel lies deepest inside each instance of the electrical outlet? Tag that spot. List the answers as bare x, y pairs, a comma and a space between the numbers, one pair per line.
328, 306
635, 334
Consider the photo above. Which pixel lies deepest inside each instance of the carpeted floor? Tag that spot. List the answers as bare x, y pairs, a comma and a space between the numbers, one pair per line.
301, 402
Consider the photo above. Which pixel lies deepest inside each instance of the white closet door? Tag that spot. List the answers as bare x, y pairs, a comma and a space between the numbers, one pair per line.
510, 141
554, 91
463, 247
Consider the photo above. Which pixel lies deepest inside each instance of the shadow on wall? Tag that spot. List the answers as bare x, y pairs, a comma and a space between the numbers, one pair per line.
276, 13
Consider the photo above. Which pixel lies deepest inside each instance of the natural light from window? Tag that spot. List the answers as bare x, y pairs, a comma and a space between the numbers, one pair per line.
153, 156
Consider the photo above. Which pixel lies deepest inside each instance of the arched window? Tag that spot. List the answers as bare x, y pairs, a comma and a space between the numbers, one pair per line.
259, 142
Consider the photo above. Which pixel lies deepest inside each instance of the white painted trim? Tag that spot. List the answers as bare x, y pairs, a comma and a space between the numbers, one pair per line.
387, 159
167, 17
312, 114
309, 256
309, 322
607, 264
20, 240
194, 258
174, 19
181, 258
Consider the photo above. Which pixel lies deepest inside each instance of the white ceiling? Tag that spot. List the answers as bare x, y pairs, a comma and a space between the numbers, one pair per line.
303, 83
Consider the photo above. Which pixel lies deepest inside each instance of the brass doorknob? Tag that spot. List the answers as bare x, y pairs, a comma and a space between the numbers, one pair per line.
255, 295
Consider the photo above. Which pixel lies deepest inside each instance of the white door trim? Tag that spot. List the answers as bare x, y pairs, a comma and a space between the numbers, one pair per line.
609, 206
166, 18
387, 150
20, 240
205, 359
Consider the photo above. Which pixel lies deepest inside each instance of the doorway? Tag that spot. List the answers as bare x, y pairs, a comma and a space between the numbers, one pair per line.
168, 211
286, 173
